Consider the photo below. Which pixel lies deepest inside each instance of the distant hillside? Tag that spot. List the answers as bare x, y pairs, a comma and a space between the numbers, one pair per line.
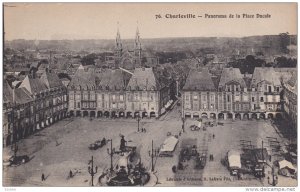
269, 44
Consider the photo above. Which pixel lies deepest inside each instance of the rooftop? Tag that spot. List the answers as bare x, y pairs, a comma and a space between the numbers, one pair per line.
231, 74
200, 81
267, 74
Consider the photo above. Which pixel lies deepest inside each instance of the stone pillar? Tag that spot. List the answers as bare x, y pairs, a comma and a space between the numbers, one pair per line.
225, 116
250, 115
192, 116
233, 116
242, 115
257, 115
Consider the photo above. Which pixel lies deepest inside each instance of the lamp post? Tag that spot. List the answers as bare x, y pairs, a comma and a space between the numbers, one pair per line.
183, 121
111, 152
92, 170
153, 154
138, 121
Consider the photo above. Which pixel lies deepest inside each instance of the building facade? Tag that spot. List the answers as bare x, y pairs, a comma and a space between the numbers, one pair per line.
290, 100
117, 93
35, 104
233, 95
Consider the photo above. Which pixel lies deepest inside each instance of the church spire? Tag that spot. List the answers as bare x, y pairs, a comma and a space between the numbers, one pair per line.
118, 39
118, 48
137, 44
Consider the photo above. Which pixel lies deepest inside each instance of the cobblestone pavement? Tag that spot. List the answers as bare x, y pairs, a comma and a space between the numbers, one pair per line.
64, 146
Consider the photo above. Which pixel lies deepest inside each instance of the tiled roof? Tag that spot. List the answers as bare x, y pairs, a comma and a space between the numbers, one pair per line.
265, 74
199, 80
51, 80
7, 93
293, 82
84, 78
33, 85
112, 79
231, 74
143, 79
22, 96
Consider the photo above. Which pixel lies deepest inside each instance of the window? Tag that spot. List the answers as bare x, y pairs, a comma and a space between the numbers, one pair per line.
228, 98
261, 99
113, 97
78, 105
121, 97
152, 96
204, 98
237, 98
212, 98
237, 89
136, 96
187, 97
270, 89
195, 97
253, 99
277, 89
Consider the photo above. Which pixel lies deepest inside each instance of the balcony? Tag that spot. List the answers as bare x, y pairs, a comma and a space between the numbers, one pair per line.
271, 93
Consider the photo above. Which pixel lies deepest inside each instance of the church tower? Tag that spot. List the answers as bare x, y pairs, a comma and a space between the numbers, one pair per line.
137, 45
118, 48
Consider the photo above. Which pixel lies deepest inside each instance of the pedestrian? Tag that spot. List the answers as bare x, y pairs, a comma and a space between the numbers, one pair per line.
71, 174
268, 179
145, 130
179, 133
213, 136
182, 128
43, 177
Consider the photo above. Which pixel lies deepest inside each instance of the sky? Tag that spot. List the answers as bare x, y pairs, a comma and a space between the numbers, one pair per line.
55, 21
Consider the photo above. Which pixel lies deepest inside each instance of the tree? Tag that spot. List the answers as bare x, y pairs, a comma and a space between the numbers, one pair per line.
63, 75
284, 42
88, 59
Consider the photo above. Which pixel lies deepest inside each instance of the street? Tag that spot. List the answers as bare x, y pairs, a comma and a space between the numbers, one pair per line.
62, 147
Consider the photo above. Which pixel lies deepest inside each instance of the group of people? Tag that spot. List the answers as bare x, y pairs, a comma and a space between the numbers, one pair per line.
143, 130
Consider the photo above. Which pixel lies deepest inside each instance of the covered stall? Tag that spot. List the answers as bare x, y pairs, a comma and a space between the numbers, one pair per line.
234, 161
286, 168
168, 147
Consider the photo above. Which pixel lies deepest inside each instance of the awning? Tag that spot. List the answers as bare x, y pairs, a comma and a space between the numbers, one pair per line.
234, 159
286, 164
169, 144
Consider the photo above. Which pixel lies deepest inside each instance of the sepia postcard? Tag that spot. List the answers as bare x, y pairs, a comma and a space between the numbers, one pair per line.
149, 95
